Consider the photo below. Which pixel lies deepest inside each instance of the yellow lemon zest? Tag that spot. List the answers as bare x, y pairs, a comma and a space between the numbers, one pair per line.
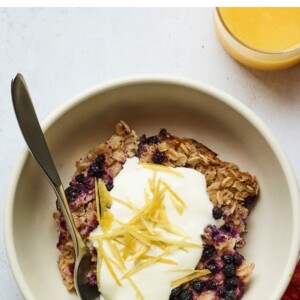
195, 274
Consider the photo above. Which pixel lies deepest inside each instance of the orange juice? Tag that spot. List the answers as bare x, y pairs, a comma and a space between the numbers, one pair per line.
263, 38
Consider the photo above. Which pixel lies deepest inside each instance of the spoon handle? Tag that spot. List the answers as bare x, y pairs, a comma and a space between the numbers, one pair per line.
36, 142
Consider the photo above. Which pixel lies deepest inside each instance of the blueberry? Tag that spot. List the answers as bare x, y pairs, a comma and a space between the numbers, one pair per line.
109, 185
227, 258
222, 292
79, 178
71, 268
100, 159
152, 140
158, 157
143, 139
248, 201
208, 251
229, 270
72, 193
232, 283
95, 171
226, 228
186, 295
231, 295
198, 286
212, 267
174, 293
210, 285
237, 260
164, 133
217, 213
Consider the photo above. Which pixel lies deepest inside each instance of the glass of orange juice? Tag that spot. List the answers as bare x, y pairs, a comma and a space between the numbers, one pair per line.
266, 38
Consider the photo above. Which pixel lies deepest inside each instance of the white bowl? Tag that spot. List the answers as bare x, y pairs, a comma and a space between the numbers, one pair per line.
147, 104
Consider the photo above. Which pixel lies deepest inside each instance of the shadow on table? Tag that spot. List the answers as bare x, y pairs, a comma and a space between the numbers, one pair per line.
283, 83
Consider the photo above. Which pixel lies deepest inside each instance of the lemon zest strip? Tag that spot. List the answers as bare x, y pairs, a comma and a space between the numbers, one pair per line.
189, 277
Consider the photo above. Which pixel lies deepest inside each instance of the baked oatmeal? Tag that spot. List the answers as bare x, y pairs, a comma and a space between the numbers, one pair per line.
231, 191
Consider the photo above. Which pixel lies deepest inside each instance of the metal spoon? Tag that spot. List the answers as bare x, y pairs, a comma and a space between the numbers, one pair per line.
36, 142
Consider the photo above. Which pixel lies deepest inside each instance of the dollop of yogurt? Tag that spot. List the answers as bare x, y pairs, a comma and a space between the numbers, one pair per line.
154, 281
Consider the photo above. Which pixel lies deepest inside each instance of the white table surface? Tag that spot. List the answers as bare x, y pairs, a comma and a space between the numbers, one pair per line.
64, 51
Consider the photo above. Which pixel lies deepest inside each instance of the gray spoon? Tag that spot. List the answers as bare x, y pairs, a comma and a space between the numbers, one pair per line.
36, 142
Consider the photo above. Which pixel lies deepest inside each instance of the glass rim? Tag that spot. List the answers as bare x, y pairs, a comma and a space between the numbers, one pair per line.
287, 51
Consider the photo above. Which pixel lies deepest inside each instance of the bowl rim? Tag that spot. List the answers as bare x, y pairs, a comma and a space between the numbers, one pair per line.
161, 79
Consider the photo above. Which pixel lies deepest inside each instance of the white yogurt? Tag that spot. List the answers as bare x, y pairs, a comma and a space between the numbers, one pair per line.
154, 280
